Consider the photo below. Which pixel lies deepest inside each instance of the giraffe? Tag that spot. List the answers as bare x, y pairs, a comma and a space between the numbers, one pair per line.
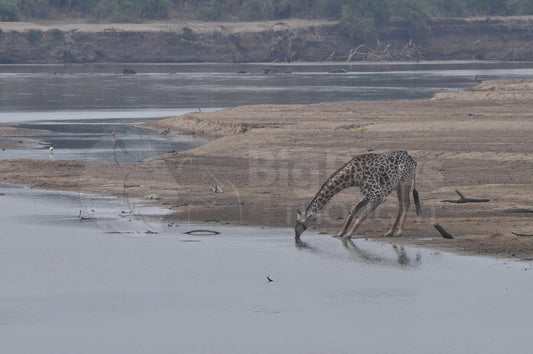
377, 175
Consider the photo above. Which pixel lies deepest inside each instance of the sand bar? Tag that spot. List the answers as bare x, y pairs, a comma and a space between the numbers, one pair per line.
270, 160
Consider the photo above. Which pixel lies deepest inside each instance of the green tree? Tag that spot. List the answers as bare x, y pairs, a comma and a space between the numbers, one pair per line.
330, 8
212, 12
356, 26
34, 8
450, 8
521, 7
251, 10
418, 20
8, 11
362, 19
488, 7
127, 10
378, 10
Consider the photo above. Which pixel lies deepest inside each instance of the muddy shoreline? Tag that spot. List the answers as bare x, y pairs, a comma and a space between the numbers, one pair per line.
270, 160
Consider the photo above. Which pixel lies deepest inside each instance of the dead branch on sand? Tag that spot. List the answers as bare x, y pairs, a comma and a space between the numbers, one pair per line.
517, 234
443, 232
463, 199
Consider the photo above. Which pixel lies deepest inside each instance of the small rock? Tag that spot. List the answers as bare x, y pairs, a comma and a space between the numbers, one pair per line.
339, 71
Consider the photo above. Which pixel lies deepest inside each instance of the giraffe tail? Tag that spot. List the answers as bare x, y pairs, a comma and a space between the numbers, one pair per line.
416, 198
417, 202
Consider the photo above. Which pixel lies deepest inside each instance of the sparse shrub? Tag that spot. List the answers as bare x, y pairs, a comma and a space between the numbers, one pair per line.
187, 34
33, 36
8, 11
57, 34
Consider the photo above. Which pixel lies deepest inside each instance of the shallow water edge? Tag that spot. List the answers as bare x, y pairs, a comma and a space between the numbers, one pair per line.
105, 283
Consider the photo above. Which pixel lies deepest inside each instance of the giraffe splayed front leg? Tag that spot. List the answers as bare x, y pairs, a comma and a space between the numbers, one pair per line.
353, 212
372, 205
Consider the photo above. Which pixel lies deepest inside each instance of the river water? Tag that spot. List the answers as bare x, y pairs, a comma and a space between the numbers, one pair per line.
92, 274
82, 105
171, 88
130, 284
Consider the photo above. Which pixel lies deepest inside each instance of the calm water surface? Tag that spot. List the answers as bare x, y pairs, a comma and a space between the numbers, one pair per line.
129, 283
173, 87
83, 104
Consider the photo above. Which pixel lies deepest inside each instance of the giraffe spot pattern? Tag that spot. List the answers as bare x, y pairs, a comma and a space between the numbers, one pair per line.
377, 175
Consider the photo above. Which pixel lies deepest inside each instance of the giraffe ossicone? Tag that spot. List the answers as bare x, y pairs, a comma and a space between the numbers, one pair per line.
377, 175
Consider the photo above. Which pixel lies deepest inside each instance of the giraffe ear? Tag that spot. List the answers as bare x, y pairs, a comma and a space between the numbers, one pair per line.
298, 216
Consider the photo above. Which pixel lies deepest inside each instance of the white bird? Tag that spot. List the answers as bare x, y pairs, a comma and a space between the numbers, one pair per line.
51, 149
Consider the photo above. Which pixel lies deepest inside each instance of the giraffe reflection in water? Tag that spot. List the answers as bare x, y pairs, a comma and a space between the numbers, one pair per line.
399, 258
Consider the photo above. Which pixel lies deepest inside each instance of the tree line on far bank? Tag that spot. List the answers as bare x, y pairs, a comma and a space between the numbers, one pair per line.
358, 18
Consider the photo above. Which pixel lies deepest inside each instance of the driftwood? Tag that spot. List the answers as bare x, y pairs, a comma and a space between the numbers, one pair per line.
355, 51
519, 211
443, 232
463, 199
202, 232
331, 56
517, 234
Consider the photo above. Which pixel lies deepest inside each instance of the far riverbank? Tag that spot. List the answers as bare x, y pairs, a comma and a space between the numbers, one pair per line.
288, 41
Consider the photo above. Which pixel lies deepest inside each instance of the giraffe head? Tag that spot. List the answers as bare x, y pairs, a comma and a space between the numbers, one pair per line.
301, 224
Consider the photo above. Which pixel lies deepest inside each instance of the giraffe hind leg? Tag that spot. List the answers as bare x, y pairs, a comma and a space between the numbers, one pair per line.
353, 212
394, 226
405, 189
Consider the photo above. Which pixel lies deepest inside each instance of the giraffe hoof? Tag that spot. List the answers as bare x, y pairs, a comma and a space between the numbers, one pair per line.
388, 234
399, 233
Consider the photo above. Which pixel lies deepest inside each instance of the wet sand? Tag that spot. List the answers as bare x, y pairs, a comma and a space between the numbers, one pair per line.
270, 160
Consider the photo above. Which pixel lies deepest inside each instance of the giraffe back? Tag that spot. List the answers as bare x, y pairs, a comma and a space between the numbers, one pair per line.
378, 174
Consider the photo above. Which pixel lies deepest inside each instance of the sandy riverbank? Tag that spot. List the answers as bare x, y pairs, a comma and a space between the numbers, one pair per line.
270, 160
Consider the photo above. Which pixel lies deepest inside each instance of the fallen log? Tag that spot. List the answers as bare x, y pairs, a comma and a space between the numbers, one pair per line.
463, 199
202, 232
519, 211
443, 232
517, 234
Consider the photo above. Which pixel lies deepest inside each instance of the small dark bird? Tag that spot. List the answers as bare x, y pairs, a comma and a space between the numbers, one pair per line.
269, 279
165, 132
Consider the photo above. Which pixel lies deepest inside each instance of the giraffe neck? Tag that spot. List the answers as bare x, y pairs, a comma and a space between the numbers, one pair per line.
343, 178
